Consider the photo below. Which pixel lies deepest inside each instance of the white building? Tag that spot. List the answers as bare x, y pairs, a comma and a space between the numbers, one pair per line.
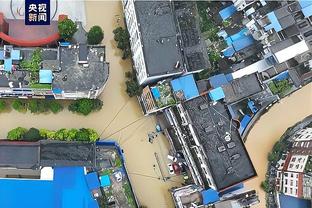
156, 41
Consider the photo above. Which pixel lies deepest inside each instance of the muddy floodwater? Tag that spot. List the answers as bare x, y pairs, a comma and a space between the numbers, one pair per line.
121, 119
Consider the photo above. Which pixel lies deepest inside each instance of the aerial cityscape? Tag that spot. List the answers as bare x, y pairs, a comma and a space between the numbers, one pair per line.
155, 104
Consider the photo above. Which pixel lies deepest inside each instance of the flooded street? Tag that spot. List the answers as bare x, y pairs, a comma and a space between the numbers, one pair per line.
270, 127
121, 119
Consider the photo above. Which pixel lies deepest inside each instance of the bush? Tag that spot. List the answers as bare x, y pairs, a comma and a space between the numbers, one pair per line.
19, 106
55, 107
3, 105
95, 35
17, 133
61, 134
32, 134
93, 135
67, 29
85, 106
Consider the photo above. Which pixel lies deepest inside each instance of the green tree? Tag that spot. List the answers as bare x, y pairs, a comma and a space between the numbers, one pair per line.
32, 134
265, 186
67, 29
61, 134
85, 106
132, 86
43, 133
55, 106
83, 135
93, 135
19, 105
17, 133
3, 105
50, 134
95, 35
121, 36
71, 134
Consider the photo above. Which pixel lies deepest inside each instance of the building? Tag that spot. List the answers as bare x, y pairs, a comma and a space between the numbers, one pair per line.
294, 176
62, 71
211, 144
162, 44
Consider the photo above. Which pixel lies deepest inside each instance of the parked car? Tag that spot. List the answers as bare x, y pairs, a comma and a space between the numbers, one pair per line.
170, 167
118, 176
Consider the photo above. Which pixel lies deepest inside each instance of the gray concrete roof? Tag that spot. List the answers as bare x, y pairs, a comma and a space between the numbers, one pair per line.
159, 36
241, 88
211, 126
74, 77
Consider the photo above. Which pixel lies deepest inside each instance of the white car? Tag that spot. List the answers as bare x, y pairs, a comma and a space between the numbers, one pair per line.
170, 167
118, 176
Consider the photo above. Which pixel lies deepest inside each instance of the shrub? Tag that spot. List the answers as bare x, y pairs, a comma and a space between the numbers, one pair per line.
85, 106
67, 29
32, 134
55, 106
3, 105
95, 35
17, 133
19, 106
37, 106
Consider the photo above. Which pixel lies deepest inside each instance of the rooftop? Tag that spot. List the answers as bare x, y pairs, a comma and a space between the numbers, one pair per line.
241, 88
31, 155
159, 35
214, 126
81, 77
68, 183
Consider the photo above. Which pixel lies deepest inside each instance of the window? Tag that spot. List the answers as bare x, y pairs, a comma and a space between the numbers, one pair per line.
286, 174
291, 175
286, 182
291, 190
291, 183
285, 190
293, 159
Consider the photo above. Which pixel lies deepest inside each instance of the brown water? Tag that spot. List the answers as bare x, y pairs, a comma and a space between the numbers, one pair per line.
121, 119
270, 128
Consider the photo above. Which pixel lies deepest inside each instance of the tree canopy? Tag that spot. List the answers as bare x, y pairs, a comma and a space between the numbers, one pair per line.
95, 35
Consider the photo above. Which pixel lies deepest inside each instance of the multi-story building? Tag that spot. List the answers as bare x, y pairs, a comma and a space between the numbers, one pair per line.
165, 39
293, 177
64, 70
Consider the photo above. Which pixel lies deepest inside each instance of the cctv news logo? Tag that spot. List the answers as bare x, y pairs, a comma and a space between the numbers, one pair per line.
37, 12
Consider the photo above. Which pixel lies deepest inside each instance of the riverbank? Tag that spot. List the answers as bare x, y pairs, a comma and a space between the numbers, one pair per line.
270, 127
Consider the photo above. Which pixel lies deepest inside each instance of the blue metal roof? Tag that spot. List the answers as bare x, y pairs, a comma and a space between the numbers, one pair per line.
93, 181
105, 181
274, 23
282, 76
243, 123
232, 189
229, 51
210, 196
227, 12
252, 107
155, 92
67, 189
293, 202
187, 85
216, 94
218, 80
305, 3
243, 42
45, 76
307, 11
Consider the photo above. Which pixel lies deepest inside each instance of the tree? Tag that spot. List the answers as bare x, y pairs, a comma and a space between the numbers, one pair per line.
32, 134
265, 186
133, 87
61, 134
95, 35
3, 105
71, 134
19, 106
85, 106
17, 133
121, 36
67, 29
55, 106
83, 135
93, 135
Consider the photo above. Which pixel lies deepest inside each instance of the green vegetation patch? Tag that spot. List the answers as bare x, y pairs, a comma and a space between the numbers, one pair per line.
121, 36
85, 106
281, 87
132, 86
129, 194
